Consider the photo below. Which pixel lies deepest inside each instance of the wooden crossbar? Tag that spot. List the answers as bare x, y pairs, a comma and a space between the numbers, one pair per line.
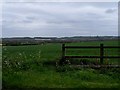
101, 47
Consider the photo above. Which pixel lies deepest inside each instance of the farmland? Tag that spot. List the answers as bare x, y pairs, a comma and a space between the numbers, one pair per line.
36, 66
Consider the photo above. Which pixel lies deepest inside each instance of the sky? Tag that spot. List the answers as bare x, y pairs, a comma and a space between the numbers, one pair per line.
59, 19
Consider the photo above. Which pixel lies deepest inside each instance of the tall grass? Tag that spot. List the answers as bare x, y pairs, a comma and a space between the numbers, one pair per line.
36, 67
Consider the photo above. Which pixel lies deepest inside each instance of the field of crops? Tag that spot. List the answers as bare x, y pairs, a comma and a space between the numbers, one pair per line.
36, 66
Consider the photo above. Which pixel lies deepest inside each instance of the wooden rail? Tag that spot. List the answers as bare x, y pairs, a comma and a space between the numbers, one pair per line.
101, 47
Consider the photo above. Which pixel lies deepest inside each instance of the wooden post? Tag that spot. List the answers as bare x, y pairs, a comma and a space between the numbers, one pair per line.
101, 53
63, 54
63, 51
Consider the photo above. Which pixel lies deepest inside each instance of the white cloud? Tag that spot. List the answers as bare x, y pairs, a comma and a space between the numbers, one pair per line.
0, 20
59, 18
60, 0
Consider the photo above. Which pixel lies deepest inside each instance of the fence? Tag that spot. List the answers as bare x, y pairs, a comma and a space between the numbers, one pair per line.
101, 56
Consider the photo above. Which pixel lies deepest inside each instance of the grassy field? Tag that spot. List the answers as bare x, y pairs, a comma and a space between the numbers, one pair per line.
36, 66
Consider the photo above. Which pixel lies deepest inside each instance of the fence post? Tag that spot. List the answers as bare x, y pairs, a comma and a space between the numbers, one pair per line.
63, 54
101, 53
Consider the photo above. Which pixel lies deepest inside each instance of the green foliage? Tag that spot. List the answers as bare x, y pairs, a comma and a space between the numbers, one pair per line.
37, 67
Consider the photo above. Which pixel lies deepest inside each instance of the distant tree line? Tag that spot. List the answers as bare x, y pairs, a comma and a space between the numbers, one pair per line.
39, 40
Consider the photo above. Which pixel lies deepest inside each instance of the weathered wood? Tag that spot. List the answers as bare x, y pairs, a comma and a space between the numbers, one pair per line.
76, 47
101, 53
91, 56
95, 66
63, 50
111, 56
82, 56
101, 47
62, 60
111, 46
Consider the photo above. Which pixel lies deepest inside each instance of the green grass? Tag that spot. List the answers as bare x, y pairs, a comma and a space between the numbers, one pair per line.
68, 79
35, 67
43, 52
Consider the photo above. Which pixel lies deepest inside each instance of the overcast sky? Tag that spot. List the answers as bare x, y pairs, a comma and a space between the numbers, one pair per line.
60, 19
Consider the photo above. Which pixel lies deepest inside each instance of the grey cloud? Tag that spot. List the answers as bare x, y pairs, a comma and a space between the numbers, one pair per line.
63, 22
31, 18
43, 21
27, 21
111, 10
